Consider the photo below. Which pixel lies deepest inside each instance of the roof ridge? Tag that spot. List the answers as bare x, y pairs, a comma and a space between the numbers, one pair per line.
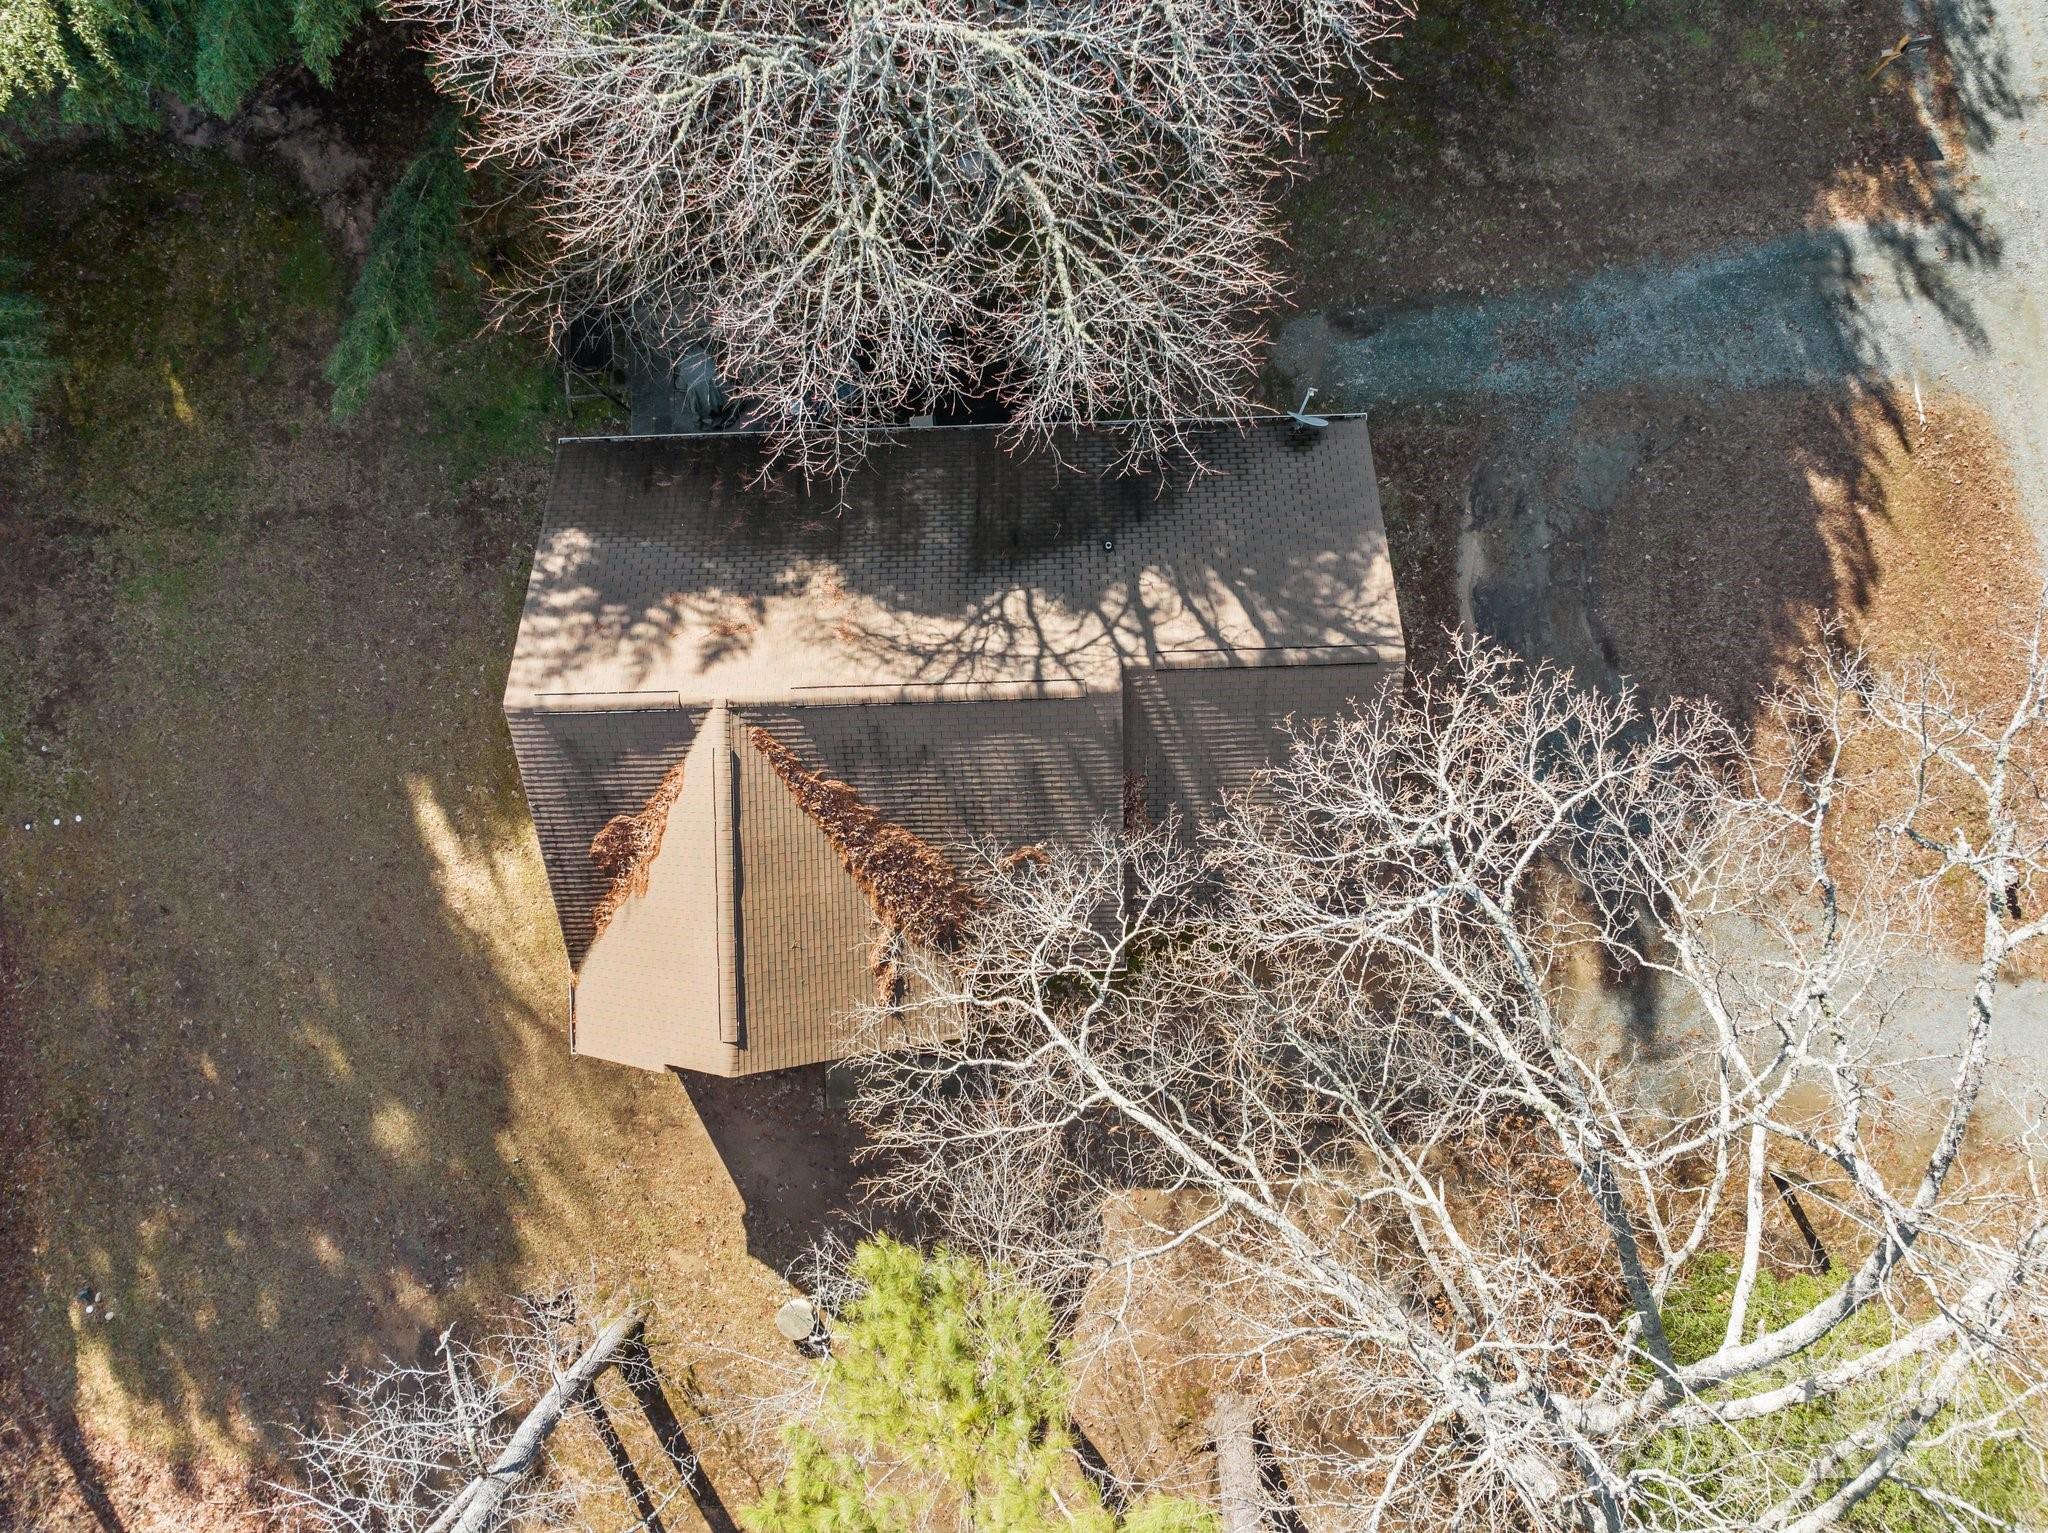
725, 868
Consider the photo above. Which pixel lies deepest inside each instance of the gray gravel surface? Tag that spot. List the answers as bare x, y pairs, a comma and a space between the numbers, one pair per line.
1957, 302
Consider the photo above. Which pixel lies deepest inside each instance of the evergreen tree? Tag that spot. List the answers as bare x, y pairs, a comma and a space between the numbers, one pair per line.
106, 60
416, 253
953, 1372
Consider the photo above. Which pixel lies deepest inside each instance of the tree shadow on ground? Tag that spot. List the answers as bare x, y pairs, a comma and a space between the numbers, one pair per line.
272, 1055
1679, 474
279, 989
1529, 143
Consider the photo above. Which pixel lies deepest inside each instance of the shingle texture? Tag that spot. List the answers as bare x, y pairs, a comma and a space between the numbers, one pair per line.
985, 647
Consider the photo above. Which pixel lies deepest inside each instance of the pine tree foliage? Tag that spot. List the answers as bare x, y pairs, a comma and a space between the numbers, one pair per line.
49, 45
102, 60
25, 362
416, 254
321, 27
953, 1374
239, 42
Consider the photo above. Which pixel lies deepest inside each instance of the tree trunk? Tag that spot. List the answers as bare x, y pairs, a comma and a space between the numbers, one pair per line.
1232, 1424
476, 1508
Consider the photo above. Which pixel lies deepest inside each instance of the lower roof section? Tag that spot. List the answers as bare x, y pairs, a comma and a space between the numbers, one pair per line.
753, 947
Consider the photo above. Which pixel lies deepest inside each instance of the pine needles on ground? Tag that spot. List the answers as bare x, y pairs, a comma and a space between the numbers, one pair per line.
416, 252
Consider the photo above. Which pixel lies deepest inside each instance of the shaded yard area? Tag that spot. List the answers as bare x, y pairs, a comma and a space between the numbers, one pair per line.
1623, 288
288, 1085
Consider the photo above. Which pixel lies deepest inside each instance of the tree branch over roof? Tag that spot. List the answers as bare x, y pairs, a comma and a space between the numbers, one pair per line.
860, 205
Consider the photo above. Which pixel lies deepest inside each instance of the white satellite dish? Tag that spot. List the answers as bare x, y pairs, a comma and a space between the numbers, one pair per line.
1300, 416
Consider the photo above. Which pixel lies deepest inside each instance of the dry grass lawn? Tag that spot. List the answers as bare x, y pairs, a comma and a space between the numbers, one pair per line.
287, 1082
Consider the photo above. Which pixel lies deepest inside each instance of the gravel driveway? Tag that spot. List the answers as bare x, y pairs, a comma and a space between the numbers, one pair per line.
1952, 306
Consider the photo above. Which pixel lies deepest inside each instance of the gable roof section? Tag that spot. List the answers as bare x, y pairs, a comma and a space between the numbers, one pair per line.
627, 1006
985, 648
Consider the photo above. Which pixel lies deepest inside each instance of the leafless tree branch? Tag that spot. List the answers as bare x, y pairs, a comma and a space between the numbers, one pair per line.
859, 205
1346, 1068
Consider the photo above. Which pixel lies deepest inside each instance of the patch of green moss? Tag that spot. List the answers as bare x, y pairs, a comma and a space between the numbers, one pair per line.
162, 572
1763, 48
491, 397
1763, 1460
1452, 60
26, 366
171, 281
495, 396
308, 275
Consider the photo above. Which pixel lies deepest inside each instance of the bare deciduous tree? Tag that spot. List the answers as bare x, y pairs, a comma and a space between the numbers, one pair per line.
1489, 1253
860, 204
454, 1445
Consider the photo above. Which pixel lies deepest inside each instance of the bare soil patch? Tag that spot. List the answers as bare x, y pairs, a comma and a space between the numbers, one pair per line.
1529, 143
1693, 545
287, 1082
1743, 527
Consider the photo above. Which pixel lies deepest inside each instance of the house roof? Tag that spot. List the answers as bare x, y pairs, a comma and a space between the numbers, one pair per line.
951, 564
985, 647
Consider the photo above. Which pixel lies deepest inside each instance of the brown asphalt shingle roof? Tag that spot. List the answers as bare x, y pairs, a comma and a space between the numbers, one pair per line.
982, 646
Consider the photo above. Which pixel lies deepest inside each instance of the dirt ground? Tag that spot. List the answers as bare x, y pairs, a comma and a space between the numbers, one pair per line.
282, 1002
1528, 145
1528, 142
287, 1084
1690, 538
1694, 546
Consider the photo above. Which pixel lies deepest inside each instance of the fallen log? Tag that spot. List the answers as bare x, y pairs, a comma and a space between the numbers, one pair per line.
475, 1508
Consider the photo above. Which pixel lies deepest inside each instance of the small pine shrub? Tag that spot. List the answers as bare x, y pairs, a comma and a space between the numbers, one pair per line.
948, 1369
416, 253
26, 366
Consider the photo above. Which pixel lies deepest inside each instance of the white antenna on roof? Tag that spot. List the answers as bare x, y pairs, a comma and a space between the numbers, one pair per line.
1300, 416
